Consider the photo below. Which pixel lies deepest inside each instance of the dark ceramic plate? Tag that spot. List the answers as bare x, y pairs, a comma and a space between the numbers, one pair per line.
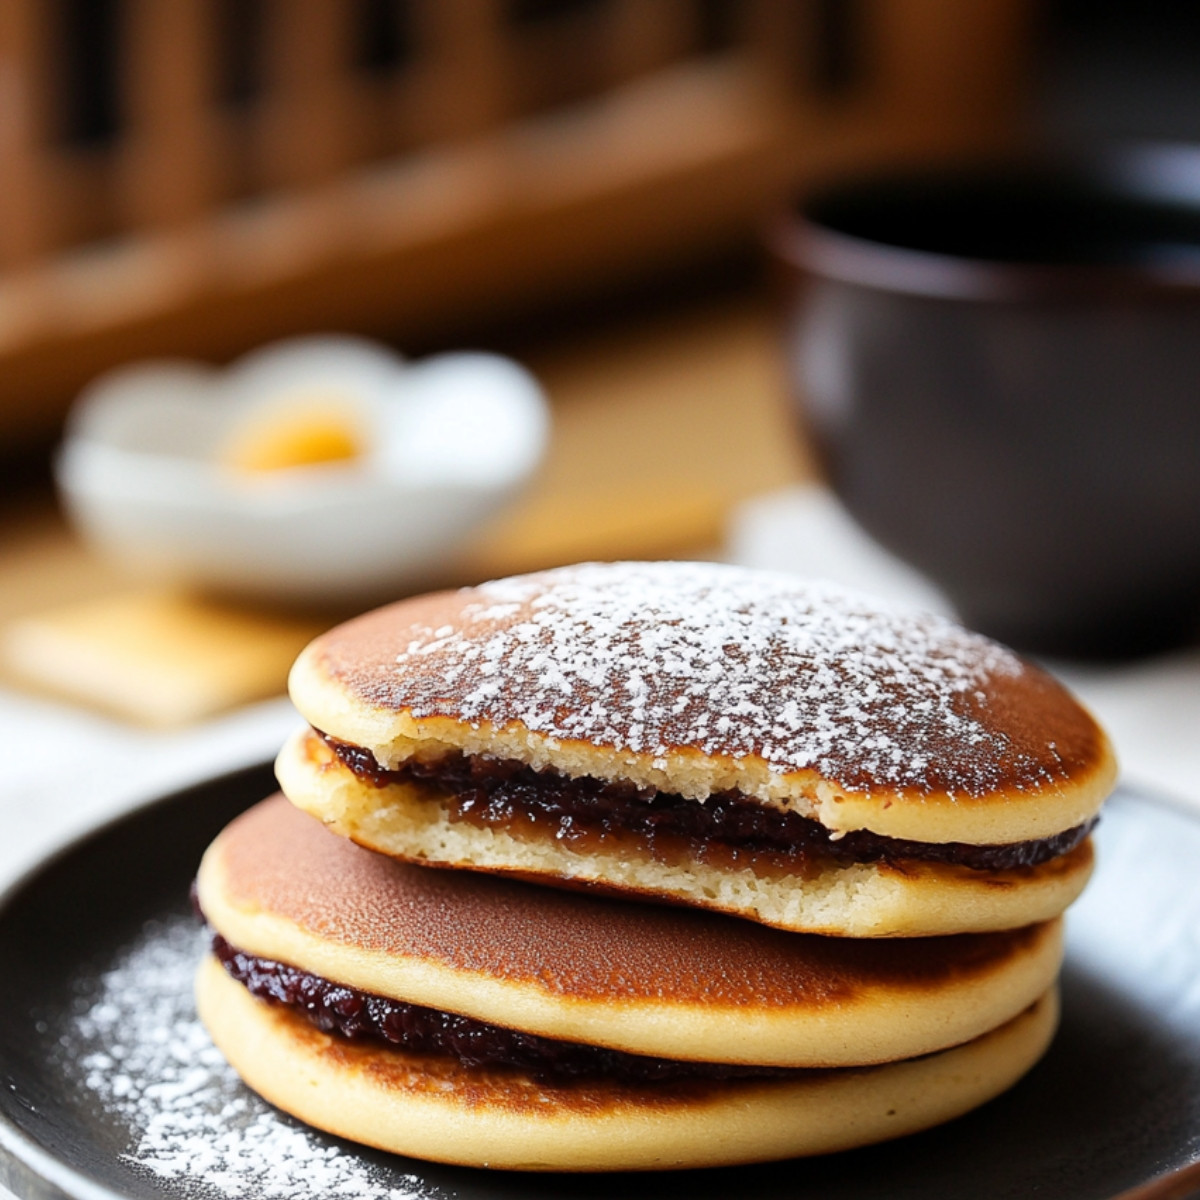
95, 943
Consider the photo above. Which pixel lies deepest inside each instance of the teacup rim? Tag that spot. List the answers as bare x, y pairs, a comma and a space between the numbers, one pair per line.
1152, 173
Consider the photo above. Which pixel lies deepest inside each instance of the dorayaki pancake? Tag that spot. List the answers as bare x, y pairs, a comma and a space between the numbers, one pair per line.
649, 980
436, 1108
740, 740
870, 899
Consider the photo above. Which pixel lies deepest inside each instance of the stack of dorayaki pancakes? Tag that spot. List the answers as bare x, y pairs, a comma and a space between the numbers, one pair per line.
628, 866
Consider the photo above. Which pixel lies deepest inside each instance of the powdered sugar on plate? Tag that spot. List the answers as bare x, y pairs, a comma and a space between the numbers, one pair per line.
136, 1044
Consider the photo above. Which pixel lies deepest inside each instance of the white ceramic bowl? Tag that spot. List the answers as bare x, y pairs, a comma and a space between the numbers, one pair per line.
444, 443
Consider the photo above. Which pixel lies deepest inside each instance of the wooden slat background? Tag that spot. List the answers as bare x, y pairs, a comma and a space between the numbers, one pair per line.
504, 160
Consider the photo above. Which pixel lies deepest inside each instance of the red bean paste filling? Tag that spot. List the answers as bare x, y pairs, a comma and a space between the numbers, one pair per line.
347, 1012
502, 793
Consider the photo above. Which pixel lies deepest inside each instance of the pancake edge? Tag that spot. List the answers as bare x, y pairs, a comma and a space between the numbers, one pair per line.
405, 1104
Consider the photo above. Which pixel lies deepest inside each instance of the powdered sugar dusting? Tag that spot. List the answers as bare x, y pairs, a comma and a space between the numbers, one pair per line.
137, 1045
651, 657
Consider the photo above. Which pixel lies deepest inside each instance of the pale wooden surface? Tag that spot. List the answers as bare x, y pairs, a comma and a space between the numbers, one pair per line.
659, 432
660, 428
159, 657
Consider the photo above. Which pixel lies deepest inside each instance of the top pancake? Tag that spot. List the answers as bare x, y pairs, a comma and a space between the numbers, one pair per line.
696, 678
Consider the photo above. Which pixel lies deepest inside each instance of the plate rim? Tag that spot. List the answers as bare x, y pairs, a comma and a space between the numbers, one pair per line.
21, 1157
26, 1162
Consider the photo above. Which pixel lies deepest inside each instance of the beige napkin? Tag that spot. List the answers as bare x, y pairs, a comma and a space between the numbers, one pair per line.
161, 658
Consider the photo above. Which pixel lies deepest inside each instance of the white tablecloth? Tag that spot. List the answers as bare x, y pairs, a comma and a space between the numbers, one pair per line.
67, 768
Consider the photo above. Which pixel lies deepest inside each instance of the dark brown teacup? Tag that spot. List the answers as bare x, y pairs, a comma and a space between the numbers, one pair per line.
999, 367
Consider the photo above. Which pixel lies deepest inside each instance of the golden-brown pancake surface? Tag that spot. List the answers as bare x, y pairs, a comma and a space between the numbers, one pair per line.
647, 979
696, 678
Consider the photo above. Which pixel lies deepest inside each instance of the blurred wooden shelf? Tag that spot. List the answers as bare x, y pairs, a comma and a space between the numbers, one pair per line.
501, 160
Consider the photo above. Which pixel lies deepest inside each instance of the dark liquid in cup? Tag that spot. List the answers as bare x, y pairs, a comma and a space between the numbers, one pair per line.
1037, 220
